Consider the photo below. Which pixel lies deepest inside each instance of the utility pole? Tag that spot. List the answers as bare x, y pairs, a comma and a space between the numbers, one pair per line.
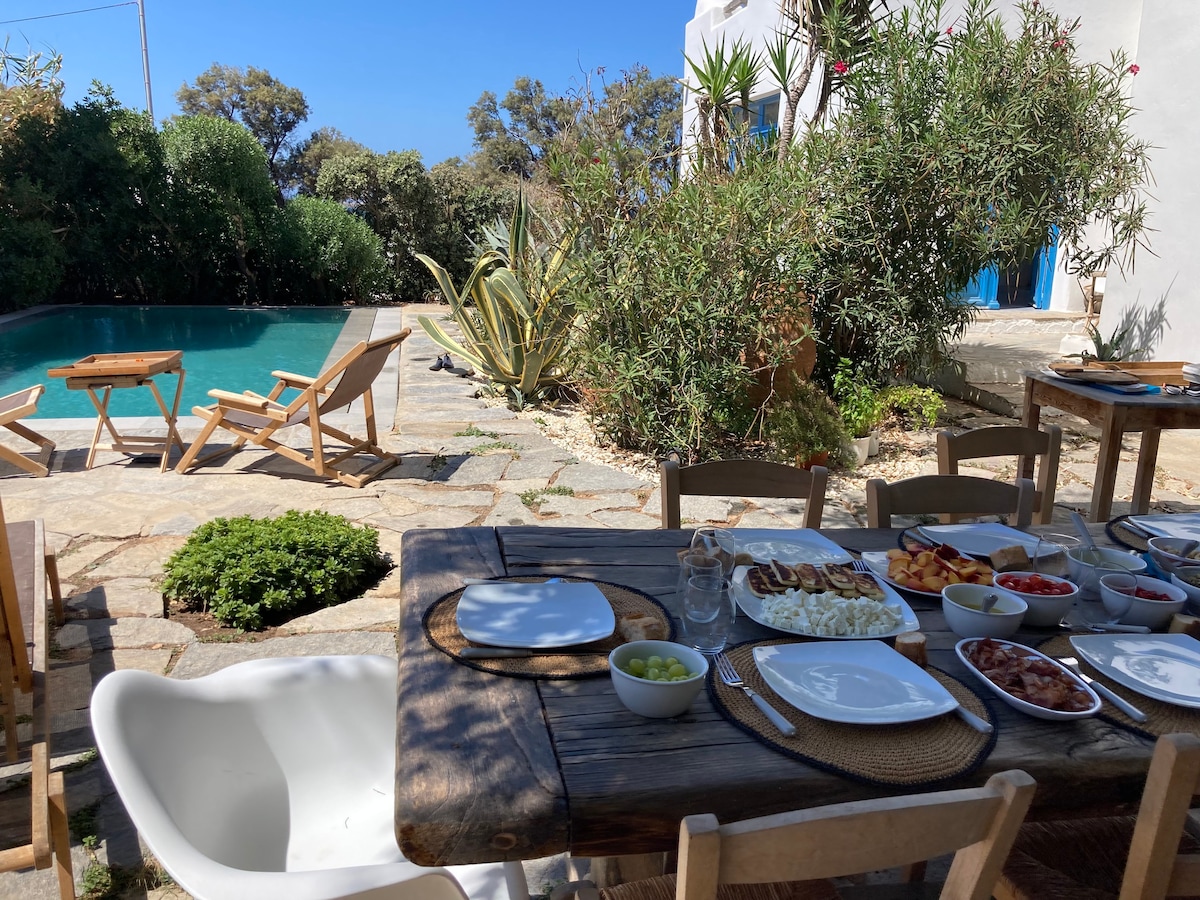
141, 5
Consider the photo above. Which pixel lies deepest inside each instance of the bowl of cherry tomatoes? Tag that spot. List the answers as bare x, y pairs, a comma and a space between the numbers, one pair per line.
1048, 597
1152, 603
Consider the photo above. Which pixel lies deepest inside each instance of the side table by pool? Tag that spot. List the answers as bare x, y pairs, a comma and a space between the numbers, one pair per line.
127, 370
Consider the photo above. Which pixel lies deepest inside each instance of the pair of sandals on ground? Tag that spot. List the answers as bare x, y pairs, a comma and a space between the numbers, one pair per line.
442, 362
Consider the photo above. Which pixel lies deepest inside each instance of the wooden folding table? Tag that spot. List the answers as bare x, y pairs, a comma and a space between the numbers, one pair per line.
108, 371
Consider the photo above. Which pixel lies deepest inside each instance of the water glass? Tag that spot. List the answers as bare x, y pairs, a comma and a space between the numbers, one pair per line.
707, 613
1050, 555
718, 543
691, 565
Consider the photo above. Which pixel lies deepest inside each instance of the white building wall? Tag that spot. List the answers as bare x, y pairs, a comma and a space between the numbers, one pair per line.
1163, 37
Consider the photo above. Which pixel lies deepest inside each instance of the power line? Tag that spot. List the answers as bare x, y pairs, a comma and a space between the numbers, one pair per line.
73, 12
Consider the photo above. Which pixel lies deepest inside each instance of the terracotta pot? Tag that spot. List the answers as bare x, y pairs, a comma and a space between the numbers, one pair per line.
816, 459
784, 328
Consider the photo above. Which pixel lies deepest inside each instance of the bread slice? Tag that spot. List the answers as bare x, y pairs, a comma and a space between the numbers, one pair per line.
641, 627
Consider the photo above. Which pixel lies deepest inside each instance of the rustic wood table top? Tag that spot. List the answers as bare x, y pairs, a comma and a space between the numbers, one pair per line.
492, 768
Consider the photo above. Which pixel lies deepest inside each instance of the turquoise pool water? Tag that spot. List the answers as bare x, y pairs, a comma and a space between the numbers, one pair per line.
235, 349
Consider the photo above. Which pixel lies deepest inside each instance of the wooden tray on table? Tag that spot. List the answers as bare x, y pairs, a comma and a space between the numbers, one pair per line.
151, 362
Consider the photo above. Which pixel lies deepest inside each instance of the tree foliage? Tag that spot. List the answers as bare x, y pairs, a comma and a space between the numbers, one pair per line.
30, 86
303, 163
270, 109
342, 258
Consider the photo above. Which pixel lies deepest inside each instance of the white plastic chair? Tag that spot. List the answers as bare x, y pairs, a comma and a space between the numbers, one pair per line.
273, 778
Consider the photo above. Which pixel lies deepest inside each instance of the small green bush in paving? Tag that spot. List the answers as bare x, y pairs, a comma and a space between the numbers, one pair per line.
250, 573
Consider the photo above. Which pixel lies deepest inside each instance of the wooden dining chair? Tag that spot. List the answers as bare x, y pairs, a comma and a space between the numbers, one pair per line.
259, 420
1130, 858
792, 855
936, 494
1044, 446
742, 478
24, 668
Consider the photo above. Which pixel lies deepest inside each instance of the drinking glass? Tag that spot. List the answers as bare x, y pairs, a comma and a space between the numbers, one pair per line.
718, 543
1050, 555
707, 613
691, 565
1124, 587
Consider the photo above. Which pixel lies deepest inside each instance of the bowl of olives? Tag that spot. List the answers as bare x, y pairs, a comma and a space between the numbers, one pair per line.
657, 679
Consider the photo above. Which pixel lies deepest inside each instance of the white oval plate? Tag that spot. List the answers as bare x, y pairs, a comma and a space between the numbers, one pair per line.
1160, 666
788, 545
537, 615
1032, 709
752, 605
864, 683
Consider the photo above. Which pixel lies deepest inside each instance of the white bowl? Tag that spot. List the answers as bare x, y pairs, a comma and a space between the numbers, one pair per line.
1192, 590
1151, 613
1045, 610
1083, 573
963, 648
961, 607
1167, 552
657, 699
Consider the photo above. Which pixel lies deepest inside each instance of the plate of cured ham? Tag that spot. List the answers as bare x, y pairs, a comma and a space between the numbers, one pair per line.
1026, 680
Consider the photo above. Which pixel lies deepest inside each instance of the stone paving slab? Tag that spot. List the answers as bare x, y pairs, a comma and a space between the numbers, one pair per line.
204, 659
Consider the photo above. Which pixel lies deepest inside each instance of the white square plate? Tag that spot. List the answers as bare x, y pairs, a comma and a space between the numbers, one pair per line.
544, 614
752, 605
788, 545
1184, 525
980, 538
857, 682
1160, 666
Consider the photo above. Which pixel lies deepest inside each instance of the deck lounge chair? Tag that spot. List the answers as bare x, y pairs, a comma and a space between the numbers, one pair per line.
24, 668
258, 419
18, 406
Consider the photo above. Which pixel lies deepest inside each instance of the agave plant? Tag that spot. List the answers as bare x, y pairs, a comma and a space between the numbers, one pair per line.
517, 331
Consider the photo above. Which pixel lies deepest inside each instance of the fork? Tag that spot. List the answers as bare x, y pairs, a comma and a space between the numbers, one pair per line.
730, 676
1115, 699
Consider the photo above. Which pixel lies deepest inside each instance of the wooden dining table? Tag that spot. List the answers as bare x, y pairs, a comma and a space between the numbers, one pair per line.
492, 768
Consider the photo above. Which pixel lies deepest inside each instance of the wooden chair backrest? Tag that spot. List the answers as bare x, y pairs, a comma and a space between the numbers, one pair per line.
1155, 868
12, 630
978, 825
21, 404
1007, 440
935, 494
742, 478
358, 369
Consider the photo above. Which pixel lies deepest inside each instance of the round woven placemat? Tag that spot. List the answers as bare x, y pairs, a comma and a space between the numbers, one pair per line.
441, 628
1120, 533
914, 753
1161, 718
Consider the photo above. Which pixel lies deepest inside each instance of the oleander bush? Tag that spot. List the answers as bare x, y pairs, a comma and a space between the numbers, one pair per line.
251, 573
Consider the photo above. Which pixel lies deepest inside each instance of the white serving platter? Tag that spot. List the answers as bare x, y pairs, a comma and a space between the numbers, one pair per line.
1160, 666
859, 683
788, 545
963, 647
752, 605
538, 615
979, 538
1184, 525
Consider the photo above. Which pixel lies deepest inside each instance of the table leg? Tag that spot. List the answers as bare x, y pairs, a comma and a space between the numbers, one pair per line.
1031, 418
102, 421
607, 871
1111, 429
169, 416
1143, 480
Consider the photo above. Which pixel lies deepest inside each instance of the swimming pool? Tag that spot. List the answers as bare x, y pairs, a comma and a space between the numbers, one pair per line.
235, 349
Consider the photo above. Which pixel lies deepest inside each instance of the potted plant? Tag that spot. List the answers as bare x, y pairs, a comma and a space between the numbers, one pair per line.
861, 407
805, 425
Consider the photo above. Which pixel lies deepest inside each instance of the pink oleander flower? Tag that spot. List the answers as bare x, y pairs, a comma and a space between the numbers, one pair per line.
840, 67
1057, 44
950, 30
1134, 69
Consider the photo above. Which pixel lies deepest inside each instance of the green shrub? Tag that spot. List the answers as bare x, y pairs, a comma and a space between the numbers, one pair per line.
250, 573
917, 406
804, 422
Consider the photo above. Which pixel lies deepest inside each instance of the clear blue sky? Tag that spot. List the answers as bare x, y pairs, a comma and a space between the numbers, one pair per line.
392, 74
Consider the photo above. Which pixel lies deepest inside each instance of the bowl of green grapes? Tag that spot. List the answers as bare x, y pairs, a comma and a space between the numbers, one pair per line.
657, 679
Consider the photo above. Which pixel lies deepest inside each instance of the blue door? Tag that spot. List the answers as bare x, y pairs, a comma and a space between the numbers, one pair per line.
1043, 271
983, 289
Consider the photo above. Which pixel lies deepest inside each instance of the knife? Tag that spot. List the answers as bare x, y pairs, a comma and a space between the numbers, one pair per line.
981, 725
520, 652
1111, 696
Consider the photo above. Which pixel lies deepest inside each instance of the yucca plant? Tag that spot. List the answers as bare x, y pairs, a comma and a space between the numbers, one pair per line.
517, 331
